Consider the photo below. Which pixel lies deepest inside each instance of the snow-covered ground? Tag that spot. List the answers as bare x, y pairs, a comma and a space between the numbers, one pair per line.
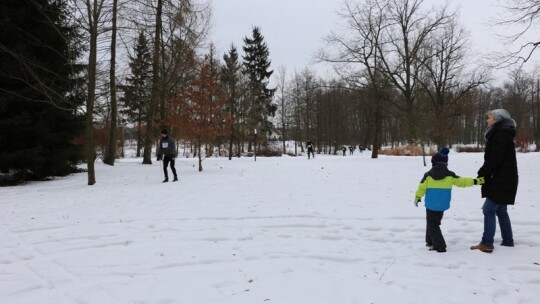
279, 230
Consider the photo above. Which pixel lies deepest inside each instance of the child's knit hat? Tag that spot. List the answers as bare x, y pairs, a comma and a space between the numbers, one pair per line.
440, 157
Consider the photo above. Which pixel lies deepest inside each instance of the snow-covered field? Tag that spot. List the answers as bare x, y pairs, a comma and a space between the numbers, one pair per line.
279, 230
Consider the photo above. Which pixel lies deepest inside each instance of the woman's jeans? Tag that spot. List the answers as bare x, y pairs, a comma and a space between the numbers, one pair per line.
490, 210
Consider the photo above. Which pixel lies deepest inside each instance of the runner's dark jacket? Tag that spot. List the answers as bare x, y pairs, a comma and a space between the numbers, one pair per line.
167, 147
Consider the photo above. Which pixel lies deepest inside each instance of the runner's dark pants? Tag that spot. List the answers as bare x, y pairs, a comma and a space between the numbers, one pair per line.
166, 161
434, 235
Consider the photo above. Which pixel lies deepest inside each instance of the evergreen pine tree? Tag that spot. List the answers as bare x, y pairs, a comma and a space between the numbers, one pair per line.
256, 67
38, 90
137, 89
230, 82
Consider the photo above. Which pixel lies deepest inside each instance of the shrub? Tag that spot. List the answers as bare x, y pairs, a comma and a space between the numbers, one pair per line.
409, 150
268, 153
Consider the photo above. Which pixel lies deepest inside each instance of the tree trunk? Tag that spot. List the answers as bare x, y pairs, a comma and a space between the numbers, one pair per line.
139, 141
411, 121
154, 98
199, 155
537, 116
110, 155
231, 140
377, 129
92, 65
283, 138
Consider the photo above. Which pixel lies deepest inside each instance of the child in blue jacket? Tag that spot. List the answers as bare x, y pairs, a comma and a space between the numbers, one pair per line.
436, 185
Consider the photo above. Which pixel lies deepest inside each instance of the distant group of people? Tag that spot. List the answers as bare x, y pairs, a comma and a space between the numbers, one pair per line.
352, 148
498, 177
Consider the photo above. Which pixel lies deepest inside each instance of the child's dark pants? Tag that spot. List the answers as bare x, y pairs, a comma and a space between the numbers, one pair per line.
434, 235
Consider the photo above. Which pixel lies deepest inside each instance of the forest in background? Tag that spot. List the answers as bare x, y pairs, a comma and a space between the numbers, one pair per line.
80, 77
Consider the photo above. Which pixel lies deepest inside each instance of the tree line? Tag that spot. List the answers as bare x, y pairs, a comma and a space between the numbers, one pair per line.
78, 72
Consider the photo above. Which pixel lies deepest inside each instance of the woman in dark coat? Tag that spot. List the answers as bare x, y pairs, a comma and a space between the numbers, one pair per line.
501, 178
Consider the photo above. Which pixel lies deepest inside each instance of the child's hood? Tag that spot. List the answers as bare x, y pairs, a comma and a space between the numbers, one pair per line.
439, 172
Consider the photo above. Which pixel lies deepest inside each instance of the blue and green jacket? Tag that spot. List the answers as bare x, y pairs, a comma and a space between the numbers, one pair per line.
437, 184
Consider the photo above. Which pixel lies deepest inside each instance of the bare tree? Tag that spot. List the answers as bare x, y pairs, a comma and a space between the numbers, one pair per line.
295, 92
185, 28
396, 52
92, 15
523, 16
154, 95
309, 85
517, 99
281, 96
406, 32
358, 55
445, 80
179, 30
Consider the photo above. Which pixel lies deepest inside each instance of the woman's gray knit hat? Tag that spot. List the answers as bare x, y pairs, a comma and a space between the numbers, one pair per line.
500, 114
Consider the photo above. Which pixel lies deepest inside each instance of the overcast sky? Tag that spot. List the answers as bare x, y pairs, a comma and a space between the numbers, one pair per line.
293, 29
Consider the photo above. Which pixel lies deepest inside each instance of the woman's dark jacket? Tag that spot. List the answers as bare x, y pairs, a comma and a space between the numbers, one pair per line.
500, 165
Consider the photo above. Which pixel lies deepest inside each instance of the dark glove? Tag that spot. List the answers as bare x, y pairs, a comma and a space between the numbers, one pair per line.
416, 201
479, 180
159, 158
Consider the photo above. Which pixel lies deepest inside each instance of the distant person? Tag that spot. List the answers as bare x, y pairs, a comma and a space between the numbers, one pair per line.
344, 149
167, 151
361, 148
309, 146
501, 174
436, 185
351, 150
